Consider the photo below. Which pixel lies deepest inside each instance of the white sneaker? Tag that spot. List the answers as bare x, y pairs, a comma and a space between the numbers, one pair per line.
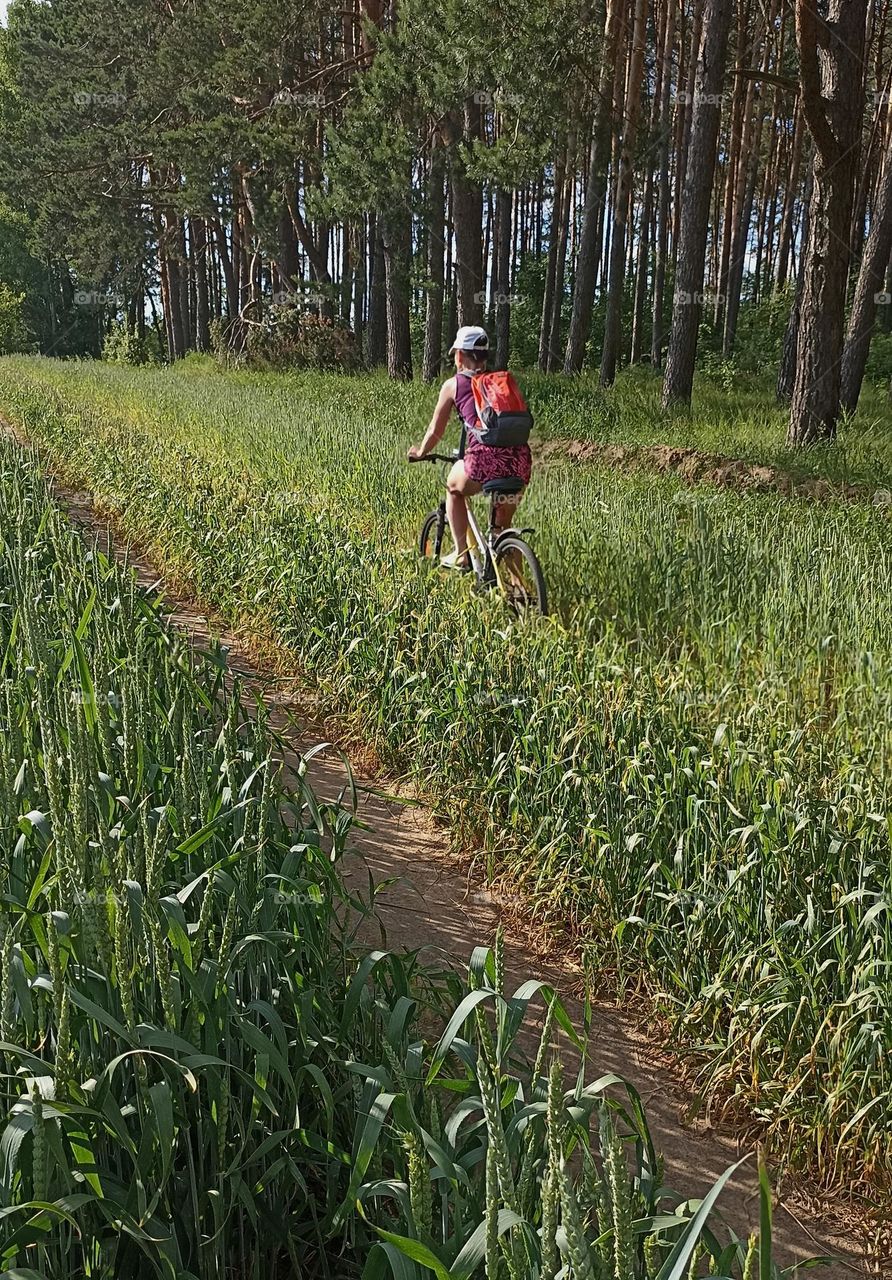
456, 560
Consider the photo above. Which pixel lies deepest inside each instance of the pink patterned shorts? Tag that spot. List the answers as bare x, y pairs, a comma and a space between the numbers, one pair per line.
483, 463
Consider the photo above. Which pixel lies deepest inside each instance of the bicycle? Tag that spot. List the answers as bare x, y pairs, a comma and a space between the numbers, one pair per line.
502, 558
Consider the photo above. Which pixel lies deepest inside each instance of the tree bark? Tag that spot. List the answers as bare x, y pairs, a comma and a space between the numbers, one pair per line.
376, 332
869, 289
685, 119
679, 378
587, 259
503, 277
554, 238
785, 235
360, 244
436, 222
623, 199
661, 235
787, 371
741, 108
739, 245
832, 103
199, 238
467, 221
552, 357
397, 237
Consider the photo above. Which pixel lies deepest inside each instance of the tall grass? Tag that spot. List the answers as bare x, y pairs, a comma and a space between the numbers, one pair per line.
690, 767
171, 987
202, 1077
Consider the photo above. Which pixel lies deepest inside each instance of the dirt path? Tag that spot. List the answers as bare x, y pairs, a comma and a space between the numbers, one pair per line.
432, 905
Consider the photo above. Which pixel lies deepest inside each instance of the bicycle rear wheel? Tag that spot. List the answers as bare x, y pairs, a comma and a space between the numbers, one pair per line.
520, 576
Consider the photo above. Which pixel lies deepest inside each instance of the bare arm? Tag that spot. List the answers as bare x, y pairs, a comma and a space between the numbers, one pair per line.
438, 422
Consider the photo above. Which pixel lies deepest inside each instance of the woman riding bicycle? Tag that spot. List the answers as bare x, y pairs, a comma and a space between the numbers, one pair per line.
477, 463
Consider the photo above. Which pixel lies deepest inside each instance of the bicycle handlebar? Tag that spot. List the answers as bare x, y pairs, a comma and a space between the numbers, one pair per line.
434, 457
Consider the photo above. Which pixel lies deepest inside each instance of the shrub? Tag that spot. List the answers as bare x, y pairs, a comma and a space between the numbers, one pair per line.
122, 346
15, 332
291, 338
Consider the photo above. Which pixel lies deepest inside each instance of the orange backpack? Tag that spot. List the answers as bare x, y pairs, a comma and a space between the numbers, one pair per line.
503, 419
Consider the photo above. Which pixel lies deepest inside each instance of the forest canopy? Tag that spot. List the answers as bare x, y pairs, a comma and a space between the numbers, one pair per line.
603, 185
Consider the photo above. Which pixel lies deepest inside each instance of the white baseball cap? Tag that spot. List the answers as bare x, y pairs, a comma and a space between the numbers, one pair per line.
470, 337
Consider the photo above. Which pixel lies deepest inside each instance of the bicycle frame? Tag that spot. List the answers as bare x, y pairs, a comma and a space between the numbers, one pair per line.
485, 548
478, 542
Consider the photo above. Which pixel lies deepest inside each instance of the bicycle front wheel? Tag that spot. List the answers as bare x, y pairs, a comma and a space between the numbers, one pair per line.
435, 539
520, 576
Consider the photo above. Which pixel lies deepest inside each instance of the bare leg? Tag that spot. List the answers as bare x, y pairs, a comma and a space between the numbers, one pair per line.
505, 511
458, 487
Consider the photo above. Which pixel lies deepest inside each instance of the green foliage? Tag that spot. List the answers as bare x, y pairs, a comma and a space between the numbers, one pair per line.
879, 362
123, 346
291, 338
169, 945
760, 336
15, 334
501, 1171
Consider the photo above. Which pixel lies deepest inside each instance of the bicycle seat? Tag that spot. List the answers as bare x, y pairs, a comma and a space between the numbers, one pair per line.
510, 484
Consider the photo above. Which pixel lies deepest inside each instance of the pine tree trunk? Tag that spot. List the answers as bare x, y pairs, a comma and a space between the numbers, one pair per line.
741, 109
785, 235
397, 236
168, 227
436, 222
787, 372
869, 289
740, 243
199, 238
360, 244
376, 333
503, 277
183, 265
588, 257
623, 200
289, 262
467, 224
685, 120
641, 271
679, 379
661, 236
557, 293
345, 301
832, 103
554, 237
